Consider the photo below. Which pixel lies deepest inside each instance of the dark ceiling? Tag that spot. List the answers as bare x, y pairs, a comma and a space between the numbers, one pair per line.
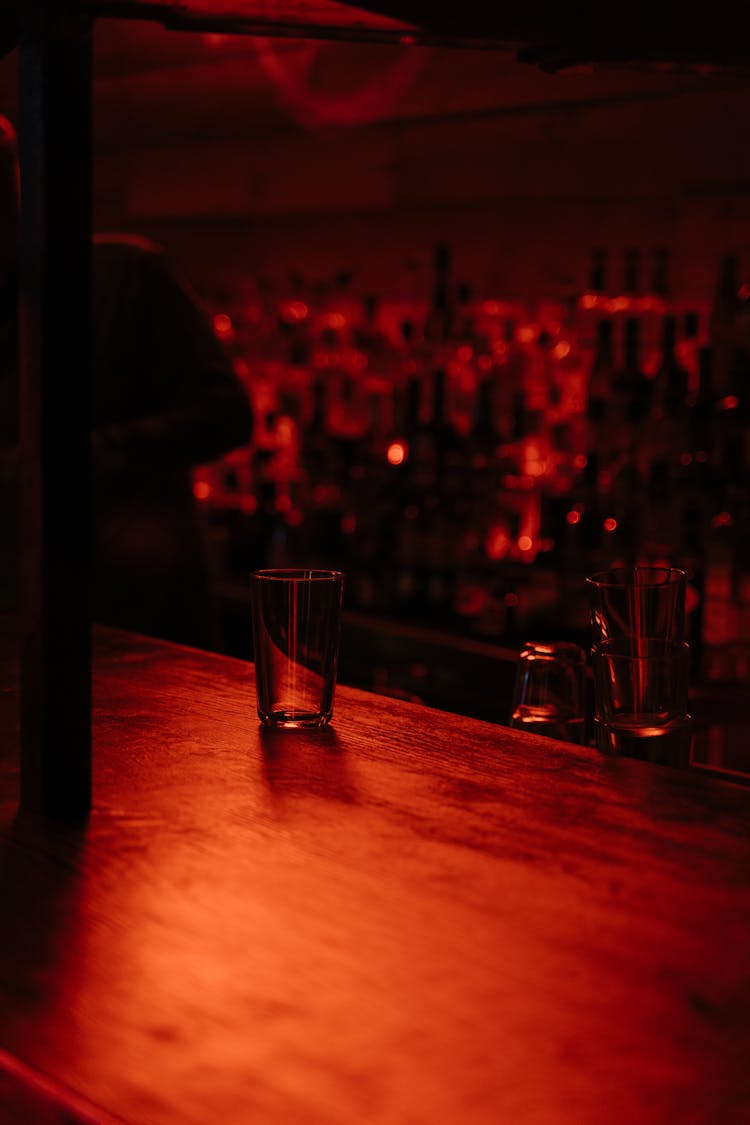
549, 34
153, 84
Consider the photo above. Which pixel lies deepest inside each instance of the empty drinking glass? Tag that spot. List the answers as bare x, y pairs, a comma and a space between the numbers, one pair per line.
641, 697
637, 601
296, 630
549, 693
641, 663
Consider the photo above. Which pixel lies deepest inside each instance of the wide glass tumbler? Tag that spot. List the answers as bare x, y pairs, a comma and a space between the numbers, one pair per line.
641, 694
296, 638
637, 601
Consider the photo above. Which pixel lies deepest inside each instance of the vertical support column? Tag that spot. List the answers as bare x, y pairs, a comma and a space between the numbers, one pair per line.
55, 159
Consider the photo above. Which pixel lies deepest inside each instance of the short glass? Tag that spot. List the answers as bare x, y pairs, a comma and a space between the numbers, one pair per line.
296, 638
549, 692
641, 692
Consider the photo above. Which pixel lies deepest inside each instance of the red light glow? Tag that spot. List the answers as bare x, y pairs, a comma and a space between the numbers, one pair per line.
312, 106
223, 326
201, 490
610, 524
355, 360
692, 599
731, 402
723, 519
561, 349
525, 543
397, 453
573, 517
497, 543
293, 311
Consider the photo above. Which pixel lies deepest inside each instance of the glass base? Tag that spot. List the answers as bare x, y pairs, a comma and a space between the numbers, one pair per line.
663, 744
551, 721
294, 720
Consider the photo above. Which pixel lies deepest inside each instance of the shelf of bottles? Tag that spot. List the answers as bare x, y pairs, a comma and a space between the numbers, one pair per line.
468, 458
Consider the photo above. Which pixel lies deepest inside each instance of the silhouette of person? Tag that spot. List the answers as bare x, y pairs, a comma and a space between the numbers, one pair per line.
165, 399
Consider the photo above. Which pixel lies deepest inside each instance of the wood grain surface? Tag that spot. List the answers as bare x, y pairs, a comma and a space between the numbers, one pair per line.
411, 917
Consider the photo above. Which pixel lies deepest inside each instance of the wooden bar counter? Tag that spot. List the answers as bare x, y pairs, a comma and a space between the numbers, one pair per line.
409, 918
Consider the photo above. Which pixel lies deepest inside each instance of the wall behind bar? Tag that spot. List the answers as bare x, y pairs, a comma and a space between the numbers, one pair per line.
222, 148
523, 172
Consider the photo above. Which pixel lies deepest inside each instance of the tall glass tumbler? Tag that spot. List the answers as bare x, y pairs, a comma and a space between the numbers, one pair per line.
642, 700
641, 663
296, 637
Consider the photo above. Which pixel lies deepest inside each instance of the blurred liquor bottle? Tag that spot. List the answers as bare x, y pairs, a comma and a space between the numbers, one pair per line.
439, 324
691, 340
445, 454
293, 343
370, 341
666, 440
631, 281
741, 375
419, 445
702, 407
568, 375
723, 322
513, 373
654, 305
601, 379
591, 302
482, 446
632, 392
730, 343
667, 436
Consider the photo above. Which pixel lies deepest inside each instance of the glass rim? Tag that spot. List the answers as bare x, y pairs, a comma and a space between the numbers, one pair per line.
655, 648
607, 579
297, 574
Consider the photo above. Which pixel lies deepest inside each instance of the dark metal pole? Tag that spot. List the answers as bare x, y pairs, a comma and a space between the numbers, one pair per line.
55, 158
